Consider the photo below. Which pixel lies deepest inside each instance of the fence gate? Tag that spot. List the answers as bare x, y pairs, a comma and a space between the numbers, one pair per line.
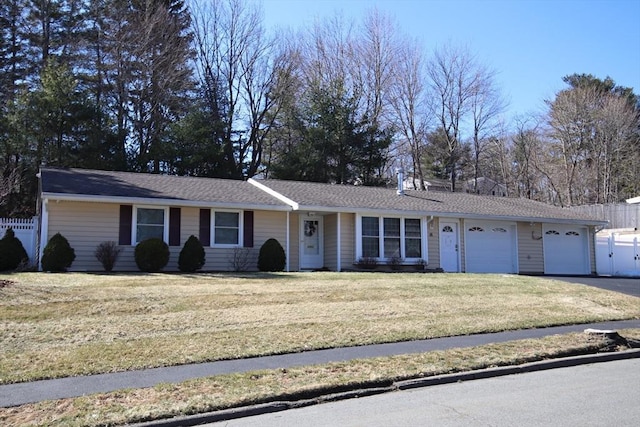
618, 253
25, 230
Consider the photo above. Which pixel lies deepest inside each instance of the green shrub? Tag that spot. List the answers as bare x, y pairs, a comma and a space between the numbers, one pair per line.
58, 254
152, 255
12, 253
271, 256
192, 255
107, 253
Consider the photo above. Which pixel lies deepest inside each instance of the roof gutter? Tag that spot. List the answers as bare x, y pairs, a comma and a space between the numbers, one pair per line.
160, 202
397, 212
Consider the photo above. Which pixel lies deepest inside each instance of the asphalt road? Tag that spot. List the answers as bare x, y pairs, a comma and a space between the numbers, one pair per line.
601, 394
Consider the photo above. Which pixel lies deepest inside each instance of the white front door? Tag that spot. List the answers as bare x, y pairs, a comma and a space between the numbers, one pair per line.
449, 254
311, 250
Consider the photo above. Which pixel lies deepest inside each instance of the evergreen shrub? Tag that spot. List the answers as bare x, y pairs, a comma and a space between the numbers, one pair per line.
271, 256
151, 255
58, 255
192, 256
12, 253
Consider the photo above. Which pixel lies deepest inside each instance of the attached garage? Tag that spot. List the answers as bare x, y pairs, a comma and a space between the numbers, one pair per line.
566, 249
491, 247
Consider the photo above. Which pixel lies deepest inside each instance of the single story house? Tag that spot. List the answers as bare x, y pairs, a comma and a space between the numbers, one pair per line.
318, 225
486, 186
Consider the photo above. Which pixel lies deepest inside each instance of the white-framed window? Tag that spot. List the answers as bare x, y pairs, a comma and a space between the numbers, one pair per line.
412, 238
148, 222
384, 237
392, 237
226, 228
370, 237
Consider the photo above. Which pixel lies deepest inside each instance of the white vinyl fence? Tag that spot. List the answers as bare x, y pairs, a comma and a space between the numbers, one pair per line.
618, 253
25, 230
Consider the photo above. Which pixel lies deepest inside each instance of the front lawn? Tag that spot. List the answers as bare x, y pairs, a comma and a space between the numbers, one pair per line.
56, 325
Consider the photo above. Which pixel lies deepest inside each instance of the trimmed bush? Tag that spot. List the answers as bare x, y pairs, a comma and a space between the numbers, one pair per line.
58, 255
152, 255
192, 255
271, 256
12, 253
107, 253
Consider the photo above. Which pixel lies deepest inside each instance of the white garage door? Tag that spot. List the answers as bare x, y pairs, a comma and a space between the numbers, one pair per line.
490, 247
566, 249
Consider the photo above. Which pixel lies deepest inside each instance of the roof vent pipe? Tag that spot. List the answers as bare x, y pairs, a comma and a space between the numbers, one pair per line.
400, 190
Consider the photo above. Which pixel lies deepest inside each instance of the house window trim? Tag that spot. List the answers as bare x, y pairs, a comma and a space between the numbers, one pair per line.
423, 237
134, 221
212, 240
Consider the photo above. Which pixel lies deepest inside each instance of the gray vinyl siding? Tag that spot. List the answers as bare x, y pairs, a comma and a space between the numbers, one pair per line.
348, 243
85, 226
331, 242
530, 249
294, 230
433, 244
266, 225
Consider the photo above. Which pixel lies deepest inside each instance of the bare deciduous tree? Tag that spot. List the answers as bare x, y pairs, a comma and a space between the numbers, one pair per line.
486, 106
593, 132
160, 76
526, 142
376, 54
409, 108
616, 150
245, 70
8, 184
453, 74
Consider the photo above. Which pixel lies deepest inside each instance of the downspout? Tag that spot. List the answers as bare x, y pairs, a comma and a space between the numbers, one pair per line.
44, 228
338, 245
287, 244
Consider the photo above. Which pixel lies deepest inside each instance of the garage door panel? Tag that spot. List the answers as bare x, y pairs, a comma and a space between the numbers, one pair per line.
565, 249
490, 247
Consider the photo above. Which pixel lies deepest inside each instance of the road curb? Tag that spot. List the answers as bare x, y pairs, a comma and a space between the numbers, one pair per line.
541, 365
277, 406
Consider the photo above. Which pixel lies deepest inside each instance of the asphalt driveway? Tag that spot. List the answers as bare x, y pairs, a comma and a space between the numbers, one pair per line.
625, 285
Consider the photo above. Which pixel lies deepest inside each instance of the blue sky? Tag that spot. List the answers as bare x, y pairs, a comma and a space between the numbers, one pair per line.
531, 44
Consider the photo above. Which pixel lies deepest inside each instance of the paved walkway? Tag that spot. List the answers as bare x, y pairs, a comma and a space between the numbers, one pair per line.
22, 393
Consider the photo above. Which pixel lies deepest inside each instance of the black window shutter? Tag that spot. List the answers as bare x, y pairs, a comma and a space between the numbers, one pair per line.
205, 227
248, 229
174, 226
126, 217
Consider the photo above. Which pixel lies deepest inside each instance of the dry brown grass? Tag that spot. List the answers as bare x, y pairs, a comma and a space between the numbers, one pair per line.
225, 391
76, 324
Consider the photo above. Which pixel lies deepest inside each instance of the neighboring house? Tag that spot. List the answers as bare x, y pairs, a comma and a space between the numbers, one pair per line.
318, 225
634, 200
485, 186
431, 184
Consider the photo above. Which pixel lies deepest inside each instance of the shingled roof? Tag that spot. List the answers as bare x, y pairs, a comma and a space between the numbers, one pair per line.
118, 186
86, 184
349, 198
